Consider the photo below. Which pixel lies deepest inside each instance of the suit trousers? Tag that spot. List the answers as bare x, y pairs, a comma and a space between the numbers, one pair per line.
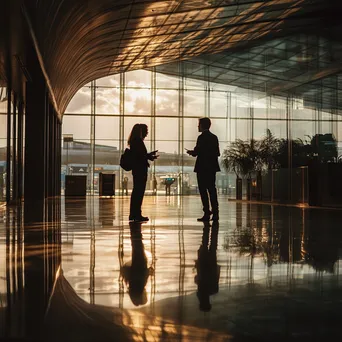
139, 186
207, 184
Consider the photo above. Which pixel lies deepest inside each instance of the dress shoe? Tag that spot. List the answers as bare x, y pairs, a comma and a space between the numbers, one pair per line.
138, 219
204, 218
143, 219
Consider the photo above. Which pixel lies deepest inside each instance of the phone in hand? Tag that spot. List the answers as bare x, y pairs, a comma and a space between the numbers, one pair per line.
154, 152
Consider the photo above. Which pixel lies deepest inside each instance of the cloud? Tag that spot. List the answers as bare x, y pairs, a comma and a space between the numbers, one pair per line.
167, 102
107, 101
80, 103
138, 101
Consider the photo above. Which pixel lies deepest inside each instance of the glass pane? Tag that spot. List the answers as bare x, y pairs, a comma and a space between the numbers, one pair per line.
3, 106
3, 142
3, 100
3, 156
339, 136
76, 159
167, 102
277, 109
242, 112
326, 127
107, 157
167, 129
108, 101
107, 127
219, 127
190, 130
80, 103
260, 112
3, 126
260, 107
278, 128
194, 103
109, 81
166, 81
303, 130
138, 78
259, 129
194, 84
77, 126
242, 129
222, 87
303, 113
137, 101
170, 147
218, 104
326, 116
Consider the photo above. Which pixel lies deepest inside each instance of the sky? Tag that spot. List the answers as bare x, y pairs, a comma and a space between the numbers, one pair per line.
138, 103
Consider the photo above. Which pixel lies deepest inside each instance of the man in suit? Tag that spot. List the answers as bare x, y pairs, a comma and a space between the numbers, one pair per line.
207, 152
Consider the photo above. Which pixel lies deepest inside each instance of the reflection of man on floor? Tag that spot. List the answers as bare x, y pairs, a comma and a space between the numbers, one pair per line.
154, 185
125, 186
1, 185
208, 272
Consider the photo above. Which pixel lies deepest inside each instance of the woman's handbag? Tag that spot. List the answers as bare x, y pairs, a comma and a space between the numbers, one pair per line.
126, 160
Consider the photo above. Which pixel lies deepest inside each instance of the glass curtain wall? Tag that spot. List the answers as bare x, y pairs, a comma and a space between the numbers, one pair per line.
3, 142
98, 121
12, 137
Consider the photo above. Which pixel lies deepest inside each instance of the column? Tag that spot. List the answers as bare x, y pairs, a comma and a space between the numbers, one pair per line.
35, 143
8, 157
20, 149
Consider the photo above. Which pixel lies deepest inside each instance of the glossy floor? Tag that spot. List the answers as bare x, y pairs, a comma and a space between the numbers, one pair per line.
263, 273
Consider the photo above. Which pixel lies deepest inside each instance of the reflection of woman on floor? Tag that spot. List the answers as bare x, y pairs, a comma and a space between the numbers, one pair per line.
135, 273
208, 272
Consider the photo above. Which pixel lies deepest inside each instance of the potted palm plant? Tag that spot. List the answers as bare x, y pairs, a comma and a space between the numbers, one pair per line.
242, 158
269, 149
231, 162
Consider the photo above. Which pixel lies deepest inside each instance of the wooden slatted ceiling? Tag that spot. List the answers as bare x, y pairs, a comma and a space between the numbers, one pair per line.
81, 40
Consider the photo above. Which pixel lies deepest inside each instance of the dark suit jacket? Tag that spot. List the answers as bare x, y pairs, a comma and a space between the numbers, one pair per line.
207, 151
140, 155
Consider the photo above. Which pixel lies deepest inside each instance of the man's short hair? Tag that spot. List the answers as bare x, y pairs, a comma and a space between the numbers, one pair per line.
205, 123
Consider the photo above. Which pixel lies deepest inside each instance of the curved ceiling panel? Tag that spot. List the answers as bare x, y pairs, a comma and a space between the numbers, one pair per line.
83, 40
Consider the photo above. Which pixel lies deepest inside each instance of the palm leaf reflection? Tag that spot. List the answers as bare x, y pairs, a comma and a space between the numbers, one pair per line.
255, 242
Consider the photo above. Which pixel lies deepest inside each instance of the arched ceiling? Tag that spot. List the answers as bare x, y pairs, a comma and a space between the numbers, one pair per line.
81, 40
305, 66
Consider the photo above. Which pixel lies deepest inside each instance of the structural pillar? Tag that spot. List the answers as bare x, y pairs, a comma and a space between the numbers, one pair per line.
35, 143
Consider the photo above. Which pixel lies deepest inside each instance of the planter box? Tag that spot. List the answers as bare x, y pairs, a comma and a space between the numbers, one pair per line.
286, 185
107, 184
325, 185
75, 185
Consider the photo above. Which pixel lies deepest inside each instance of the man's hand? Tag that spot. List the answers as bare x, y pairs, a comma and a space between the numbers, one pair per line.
190, 152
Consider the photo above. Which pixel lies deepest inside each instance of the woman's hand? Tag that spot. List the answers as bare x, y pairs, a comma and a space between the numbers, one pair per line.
152, 155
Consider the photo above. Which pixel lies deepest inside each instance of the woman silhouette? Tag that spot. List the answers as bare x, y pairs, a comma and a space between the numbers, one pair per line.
139, 170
